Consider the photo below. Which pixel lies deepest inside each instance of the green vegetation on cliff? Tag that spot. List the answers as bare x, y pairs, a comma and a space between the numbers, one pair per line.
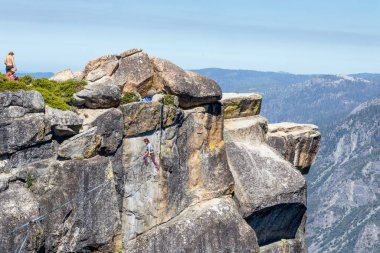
130, 97
56, 94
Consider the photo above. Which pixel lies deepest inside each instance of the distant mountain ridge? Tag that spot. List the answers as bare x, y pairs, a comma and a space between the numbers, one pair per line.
344, 190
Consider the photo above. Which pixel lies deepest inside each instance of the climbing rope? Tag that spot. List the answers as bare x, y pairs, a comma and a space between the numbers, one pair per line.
24, 241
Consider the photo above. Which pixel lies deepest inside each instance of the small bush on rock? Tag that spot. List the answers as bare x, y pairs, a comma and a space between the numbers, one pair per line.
168, 99
130, 97
56, 94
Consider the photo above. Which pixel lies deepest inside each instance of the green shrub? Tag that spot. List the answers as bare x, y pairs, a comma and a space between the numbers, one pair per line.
130, 97
168, 99
56, 94
29, 180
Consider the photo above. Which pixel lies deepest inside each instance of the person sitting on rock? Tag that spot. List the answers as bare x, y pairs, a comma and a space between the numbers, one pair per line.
11, 74
9, 62
149, 153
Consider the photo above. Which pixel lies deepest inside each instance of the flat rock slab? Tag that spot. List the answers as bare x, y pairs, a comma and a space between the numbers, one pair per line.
211, 226
241, 104
297, 143
248, 129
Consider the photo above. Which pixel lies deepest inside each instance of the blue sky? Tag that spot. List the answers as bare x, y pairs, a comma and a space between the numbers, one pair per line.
298, 36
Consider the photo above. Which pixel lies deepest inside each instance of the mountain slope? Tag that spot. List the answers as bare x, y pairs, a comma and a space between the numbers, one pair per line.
344, 191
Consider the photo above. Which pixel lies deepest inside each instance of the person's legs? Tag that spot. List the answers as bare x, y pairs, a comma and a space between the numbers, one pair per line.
8, 68
153, 157
146, 162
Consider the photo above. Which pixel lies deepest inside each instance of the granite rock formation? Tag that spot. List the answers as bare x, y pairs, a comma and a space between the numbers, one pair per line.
297, 143
241, 104
77, 181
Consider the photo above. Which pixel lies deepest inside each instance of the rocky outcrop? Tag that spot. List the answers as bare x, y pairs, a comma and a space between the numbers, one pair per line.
101, 94
297, 143
78, 181
135, 71
241, 104
191, 88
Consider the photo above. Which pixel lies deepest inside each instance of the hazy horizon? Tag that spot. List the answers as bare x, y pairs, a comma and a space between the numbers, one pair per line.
331, 37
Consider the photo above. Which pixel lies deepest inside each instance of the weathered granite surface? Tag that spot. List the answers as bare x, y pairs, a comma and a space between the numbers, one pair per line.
211, 226
237, 105
297, 143
77, 181
191, 88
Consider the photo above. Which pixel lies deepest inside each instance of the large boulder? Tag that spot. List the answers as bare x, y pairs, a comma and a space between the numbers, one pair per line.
130, 71
101, 94
134, 73
101, 67
81, 146
17, 104
141, 117
237, 105
211, 226
191, 88
297, 143
63, 123
110, 128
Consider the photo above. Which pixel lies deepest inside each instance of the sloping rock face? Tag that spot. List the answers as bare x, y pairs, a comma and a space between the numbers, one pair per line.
212, 226
83, 182
297, 143
241, 104
269, 191
193, 169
